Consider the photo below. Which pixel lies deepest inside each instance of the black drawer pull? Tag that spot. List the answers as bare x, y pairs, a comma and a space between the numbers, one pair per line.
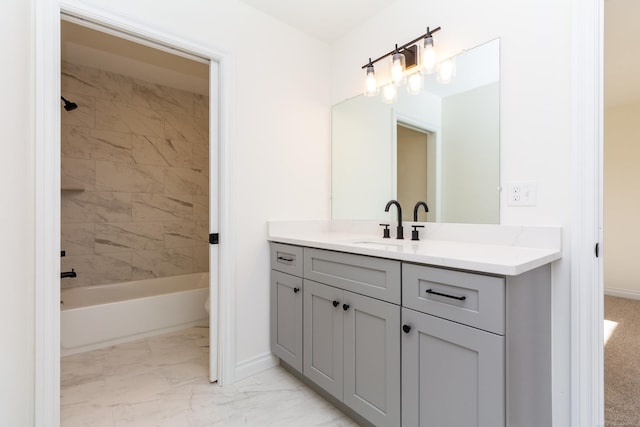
296, 290
406, 328
281, 258
345, 307
336, 303
431, 291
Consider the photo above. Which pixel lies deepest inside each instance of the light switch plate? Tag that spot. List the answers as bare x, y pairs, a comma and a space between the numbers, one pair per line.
522, 193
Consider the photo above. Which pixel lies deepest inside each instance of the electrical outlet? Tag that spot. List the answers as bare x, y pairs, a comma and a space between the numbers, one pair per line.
522, 193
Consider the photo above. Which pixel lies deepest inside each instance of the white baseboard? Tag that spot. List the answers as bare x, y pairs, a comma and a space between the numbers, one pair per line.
622, 294
252, 366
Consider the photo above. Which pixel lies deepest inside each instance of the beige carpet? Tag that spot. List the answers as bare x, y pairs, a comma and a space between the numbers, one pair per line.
622, 363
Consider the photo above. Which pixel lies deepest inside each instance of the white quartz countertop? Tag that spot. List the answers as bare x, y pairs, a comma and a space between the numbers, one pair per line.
503, 250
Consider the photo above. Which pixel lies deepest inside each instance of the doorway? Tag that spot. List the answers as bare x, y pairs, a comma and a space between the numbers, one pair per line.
620, 205
47, 292
416, 169
135, 199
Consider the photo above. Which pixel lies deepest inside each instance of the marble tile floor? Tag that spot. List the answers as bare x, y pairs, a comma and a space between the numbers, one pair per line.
163, 381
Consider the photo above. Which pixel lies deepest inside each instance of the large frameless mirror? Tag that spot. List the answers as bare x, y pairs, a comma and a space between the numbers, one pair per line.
441, 146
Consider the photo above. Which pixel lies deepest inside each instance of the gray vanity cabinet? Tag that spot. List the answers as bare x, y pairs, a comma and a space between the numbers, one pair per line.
352, 350
286, 303
406, 344
452, 374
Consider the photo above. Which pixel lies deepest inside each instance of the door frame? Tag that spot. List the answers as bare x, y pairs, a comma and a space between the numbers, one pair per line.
435, 142
587, 306
47, 192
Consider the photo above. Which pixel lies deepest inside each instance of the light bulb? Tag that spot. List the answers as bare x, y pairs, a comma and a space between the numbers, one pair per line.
414, 83
389, 94
428, 55
446, 71
397, 68
370, 83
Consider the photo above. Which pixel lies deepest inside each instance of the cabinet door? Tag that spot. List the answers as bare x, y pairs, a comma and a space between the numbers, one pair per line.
452, 375
286, 318
323, 334
372, 359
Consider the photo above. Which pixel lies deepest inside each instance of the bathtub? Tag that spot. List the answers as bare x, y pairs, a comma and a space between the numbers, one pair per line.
98, 316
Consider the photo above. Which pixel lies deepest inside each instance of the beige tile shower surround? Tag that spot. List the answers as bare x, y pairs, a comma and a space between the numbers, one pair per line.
140, 154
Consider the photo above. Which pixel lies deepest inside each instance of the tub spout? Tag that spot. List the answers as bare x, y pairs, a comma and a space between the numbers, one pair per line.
71, 273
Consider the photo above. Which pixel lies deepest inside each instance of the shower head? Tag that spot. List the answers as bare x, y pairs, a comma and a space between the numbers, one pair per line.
68, 105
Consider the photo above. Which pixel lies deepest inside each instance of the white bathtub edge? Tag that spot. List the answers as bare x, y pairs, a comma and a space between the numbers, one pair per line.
98, 326
120, 340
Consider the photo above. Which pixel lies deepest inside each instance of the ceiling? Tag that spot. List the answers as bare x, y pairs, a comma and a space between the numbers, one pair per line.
328, 20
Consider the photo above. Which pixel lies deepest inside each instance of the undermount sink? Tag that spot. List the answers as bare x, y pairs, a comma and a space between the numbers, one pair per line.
377, 244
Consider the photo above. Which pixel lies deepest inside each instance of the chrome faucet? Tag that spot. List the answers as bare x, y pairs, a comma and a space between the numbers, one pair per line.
415, 210
399, 230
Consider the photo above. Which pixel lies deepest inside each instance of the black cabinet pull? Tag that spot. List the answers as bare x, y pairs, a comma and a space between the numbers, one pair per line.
345, 307
406, 328
281, 258
431, 291
336, 303
296, 290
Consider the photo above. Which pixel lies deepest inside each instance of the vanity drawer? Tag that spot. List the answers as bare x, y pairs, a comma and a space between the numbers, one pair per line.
286, 258
471, 299
375, 277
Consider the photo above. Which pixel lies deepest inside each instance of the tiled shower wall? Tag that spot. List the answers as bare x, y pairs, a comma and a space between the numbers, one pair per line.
135, 179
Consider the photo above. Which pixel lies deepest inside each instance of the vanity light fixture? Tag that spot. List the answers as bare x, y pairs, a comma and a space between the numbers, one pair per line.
370, 83
408, 63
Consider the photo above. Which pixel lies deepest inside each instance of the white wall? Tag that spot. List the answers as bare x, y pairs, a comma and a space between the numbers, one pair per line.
535, 126
17, 243
622, 199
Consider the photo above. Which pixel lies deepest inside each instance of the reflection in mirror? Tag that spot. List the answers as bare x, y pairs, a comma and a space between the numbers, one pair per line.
441, 146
